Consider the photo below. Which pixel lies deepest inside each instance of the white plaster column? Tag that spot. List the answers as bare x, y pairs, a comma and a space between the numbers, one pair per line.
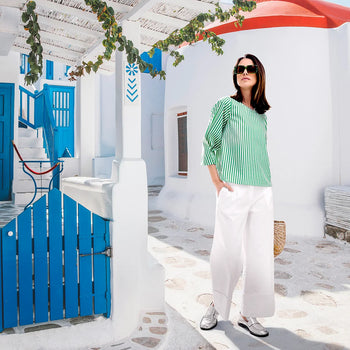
88, 116
137, 279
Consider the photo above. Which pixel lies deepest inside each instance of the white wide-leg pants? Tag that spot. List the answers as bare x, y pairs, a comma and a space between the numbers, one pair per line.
243, 241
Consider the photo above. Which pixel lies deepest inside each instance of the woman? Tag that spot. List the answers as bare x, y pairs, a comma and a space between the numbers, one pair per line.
235, 151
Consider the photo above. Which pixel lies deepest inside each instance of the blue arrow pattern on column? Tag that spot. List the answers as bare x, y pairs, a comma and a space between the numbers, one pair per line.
131, 92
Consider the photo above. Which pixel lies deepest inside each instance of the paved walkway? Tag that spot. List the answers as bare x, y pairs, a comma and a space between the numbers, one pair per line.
312, 285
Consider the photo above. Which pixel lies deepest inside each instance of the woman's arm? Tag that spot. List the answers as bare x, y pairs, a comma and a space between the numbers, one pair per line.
218, 183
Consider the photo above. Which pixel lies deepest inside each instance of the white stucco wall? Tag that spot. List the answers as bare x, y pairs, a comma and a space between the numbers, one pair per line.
152, 138
301, 74
152, 106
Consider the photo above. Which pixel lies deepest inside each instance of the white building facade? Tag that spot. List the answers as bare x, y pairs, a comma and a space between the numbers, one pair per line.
307, 86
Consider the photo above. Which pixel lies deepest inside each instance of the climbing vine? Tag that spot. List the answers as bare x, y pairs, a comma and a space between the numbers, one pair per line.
35, 58
195, 31
114, 38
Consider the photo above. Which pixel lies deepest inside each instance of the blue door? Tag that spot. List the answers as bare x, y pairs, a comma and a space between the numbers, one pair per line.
6, 134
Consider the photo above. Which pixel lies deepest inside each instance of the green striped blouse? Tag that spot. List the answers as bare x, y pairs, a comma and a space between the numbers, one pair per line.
235, 141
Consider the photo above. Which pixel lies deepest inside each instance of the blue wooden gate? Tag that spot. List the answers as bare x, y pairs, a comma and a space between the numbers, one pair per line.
55, 263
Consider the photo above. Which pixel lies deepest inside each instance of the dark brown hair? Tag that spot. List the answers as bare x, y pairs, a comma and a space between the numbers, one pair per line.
258, 101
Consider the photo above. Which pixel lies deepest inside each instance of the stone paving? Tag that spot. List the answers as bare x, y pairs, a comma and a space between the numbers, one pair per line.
149, 335
8, 211
312, 286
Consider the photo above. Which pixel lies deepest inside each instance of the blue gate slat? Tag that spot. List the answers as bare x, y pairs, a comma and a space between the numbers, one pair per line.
55, 253
1, 307
108, 273
100, 261
70, 257
25, 273
85, 266
9, 274
41, 298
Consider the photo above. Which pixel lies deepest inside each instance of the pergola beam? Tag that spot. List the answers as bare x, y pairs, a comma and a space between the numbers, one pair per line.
49, 56
72, 11
137, 11
122, 8
61, 39
52, 48
153, 34
12, 3
73, 28
192, 4
157, 17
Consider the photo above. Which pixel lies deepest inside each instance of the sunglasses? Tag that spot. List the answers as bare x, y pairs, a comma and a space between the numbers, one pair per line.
250, 69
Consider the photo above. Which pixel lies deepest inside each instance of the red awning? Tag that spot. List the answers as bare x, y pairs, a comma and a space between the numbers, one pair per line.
287, 13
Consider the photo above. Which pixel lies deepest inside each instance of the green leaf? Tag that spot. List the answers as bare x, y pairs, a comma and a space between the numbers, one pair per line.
25, 17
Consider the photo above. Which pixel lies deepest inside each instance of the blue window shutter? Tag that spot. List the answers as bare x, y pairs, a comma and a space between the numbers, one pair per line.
66, 72
24, 68
49, 70
156, 60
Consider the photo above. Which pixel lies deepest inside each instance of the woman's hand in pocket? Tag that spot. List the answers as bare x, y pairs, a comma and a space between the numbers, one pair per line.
220, 185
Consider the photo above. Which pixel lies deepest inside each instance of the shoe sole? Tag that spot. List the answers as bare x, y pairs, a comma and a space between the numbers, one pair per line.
208, 329
247, 328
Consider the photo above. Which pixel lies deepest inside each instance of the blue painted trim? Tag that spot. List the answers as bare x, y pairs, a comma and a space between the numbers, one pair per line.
49, 70
24, 67
66, 72
8, 150
156, 60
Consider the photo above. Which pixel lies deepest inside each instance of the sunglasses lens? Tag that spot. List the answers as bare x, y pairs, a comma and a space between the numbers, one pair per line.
251, 69
240, 69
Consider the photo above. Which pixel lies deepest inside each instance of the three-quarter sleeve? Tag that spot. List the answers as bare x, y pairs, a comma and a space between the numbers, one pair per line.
213, 135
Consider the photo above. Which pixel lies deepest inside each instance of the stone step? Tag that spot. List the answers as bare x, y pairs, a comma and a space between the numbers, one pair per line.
29, 132
33, 153
30, 142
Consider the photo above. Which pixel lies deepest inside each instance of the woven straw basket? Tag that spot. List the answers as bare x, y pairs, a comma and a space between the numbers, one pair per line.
279, 237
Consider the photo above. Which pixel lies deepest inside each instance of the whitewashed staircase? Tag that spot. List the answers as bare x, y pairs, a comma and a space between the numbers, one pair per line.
30, 146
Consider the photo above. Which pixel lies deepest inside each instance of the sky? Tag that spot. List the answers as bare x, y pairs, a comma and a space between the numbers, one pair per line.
339, 2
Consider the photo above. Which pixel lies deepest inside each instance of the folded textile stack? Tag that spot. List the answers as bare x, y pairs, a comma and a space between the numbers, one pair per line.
337, 206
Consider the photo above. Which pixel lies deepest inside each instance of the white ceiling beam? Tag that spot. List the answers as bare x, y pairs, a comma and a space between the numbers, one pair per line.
47, 56
153, 34
60, 38
192, 4
157, 17
70, 27
12, 3
118, 7
65, 40
68, 10
49, 47
144, 48
137, 11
